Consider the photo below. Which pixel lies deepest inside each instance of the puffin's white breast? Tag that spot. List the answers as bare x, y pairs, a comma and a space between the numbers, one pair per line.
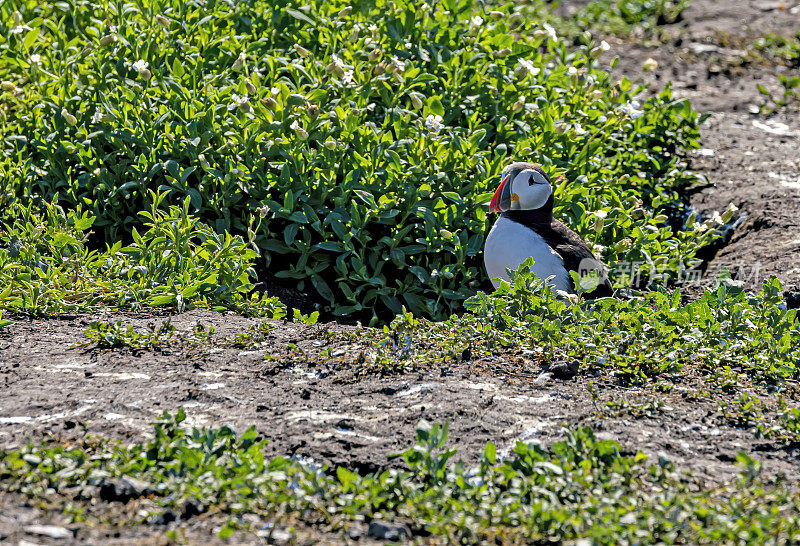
510, 243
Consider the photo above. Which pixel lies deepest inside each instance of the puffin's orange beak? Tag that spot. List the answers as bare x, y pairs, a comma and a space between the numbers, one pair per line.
501, 200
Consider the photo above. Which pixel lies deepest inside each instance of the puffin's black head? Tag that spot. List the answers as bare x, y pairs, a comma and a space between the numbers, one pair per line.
523, 186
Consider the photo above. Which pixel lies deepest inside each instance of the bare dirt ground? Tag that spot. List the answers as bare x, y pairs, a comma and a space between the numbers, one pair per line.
751, 160
312, 393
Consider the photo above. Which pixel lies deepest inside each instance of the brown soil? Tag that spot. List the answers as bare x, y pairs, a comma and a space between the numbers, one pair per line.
750, 160
334, 408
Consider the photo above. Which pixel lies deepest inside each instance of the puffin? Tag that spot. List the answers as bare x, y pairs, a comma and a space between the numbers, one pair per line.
526, 228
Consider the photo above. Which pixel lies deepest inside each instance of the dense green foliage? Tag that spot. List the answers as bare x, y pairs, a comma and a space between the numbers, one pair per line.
46, 266
724, 333
578, 487
352, 146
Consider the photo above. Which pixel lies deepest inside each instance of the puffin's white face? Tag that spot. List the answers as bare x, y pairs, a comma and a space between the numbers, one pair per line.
525, 189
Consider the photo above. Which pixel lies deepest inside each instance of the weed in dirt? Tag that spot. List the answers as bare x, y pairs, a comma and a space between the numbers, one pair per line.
309, 319
787, 428
113, 335
745, 411
252, 337
787, 51
775, 421
578, 487
202, 334
637, 409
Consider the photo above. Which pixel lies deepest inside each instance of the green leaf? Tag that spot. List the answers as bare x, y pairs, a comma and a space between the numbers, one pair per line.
300, 16
30, 38
322, 288
435, 106
226, 531
490, 453
177, 68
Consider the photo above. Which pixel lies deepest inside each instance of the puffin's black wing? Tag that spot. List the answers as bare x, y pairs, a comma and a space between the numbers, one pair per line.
576, 256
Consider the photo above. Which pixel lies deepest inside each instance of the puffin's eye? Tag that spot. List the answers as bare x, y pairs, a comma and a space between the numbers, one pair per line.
536, 178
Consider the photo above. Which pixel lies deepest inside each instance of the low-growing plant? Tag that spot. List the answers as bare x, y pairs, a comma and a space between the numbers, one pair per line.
636, 337
112, 335
745, 411
786, 51
353, 146
620, 17
47, 266
578, 488
202, 334
253, 336
309, 319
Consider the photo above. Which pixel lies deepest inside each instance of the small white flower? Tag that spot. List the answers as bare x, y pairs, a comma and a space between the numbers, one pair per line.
476, 21
551, 32
99, 116
572, 71
336, 66
347, 79
578, 130
416, 100
140, 65
631, 109
239, 101
68, 117
650, 64
303, 52
19, 29
398, 65
601, 213
434, 123
36, 58
526, 67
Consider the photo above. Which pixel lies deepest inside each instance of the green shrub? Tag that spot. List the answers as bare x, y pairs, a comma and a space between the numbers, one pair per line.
46, 267
353, 145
